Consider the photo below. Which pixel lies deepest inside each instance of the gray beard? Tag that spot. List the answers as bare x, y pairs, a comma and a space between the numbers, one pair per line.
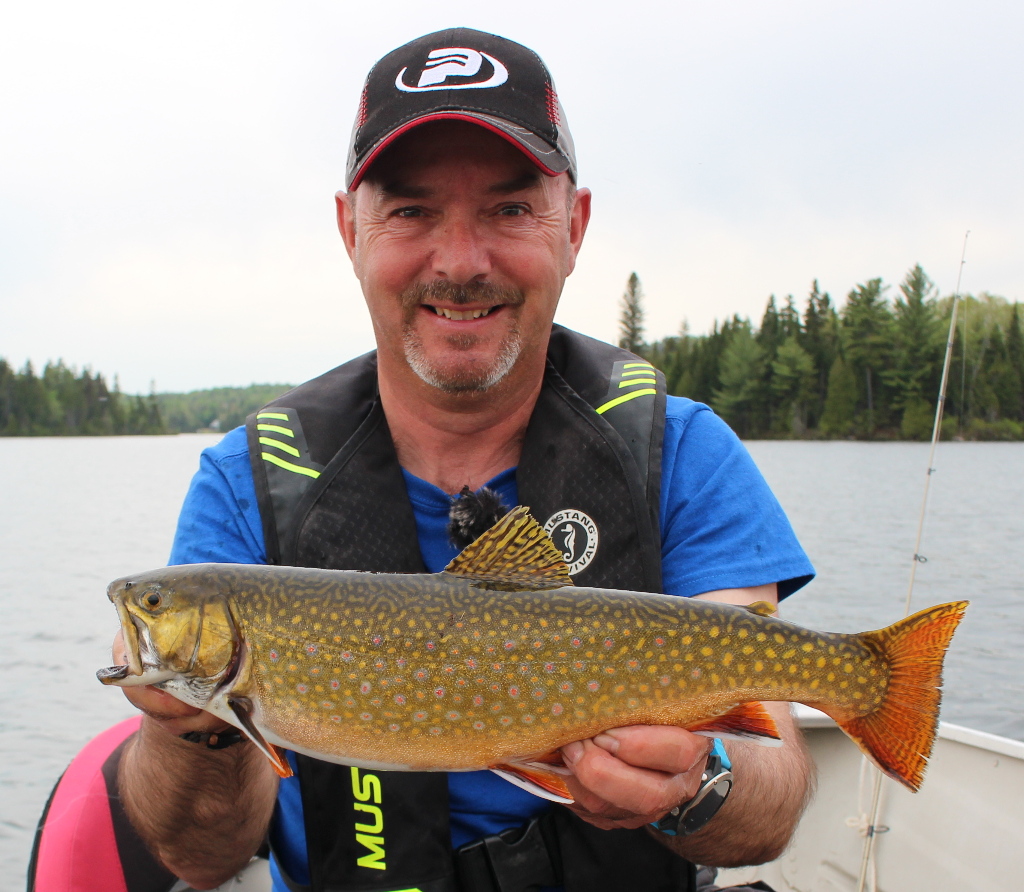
464, 380
472, 380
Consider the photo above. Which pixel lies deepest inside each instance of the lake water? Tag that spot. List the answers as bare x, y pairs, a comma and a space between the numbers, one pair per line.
78, 513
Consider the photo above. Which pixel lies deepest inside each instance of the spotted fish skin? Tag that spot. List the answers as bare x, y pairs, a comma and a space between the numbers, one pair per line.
500, 658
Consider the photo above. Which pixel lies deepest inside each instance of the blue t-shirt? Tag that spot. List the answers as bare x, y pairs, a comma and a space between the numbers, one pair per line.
721, 528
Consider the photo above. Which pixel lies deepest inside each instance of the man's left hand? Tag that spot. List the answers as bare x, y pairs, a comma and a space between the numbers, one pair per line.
629, 777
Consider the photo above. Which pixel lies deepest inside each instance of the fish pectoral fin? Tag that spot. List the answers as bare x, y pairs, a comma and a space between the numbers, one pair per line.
516, 548
748, 721
535, 778
762, 608
242, 708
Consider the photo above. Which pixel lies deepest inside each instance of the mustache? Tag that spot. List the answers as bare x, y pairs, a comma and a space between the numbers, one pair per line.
471, 293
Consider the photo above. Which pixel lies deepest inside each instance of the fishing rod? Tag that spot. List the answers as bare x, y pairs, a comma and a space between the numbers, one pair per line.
873, 829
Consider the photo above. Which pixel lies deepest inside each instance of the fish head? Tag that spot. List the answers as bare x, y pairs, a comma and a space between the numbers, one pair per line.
174, 629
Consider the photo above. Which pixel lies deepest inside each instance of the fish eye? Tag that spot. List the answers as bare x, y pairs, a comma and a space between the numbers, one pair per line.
153, 600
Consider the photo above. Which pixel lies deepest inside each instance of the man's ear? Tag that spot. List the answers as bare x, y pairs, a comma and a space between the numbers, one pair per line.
346, 222
578, 220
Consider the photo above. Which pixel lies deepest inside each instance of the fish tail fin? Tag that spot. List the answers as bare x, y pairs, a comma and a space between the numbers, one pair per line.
898, 736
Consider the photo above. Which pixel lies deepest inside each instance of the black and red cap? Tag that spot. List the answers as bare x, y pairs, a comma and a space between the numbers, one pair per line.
462, 74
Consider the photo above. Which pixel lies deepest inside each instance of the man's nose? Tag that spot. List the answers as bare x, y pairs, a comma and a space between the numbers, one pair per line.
460, 252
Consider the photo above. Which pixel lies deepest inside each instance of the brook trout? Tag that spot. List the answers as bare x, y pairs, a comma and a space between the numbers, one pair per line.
499, 660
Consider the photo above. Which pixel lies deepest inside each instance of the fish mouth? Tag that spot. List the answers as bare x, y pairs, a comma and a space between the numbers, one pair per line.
143, 667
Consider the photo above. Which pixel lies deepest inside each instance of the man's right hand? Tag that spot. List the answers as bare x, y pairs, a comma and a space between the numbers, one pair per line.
168, 712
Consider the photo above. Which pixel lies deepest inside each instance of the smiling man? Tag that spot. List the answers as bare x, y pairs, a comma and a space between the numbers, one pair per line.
462, 219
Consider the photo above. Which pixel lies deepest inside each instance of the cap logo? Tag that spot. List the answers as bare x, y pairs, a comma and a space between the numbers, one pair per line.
453, 61
575, 535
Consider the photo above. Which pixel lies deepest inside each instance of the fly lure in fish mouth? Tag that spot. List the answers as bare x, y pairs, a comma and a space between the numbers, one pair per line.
370, 669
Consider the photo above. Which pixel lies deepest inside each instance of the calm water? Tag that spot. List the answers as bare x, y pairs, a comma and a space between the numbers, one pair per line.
80, 512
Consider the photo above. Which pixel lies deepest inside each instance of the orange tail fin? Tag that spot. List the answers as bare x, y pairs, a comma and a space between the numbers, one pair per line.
898, 736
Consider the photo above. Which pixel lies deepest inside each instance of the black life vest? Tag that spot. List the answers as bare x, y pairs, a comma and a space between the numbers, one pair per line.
334, 497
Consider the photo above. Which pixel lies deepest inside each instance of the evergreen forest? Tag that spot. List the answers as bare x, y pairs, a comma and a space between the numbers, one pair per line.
869, 369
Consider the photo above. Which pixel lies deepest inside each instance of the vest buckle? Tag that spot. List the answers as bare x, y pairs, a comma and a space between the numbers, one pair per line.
516, 860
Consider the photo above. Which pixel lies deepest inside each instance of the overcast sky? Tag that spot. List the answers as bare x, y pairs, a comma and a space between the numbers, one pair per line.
167, 171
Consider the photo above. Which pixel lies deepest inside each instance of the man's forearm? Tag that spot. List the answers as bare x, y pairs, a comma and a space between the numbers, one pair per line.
202, 812
771, 787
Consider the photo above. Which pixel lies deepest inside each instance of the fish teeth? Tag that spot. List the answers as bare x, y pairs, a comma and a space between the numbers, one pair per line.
461, 315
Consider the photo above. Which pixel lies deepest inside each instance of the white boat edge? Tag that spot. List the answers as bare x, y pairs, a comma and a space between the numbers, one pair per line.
960, 832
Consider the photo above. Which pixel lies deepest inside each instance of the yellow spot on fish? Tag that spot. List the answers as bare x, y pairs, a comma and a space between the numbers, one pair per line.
706, 651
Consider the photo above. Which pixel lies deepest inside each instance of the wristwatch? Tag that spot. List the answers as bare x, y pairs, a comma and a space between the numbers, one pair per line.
691, 816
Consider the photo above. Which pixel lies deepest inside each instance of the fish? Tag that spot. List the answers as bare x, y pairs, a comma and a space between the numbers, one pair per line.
499, 660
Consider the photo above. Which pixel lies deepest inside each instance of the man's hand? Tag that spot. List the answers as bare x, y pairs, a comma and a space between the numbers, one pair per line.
168, 712
629, 777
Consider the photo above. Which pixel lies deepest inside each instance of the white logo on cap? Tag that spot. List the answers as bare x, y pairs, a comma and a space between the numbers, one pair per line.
453, 61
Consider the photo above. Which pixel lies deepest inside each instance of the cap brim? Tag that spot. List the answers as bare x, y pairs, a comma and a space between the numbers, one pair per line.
539, 151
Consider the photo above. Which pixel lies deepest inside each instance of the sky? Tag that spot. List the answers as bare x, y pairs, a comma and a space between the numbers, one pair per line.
167, 171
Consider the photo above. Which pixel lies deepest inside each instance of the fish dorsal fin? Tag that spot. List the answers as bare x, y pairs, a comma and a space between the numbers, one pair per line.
516, 550
762, 608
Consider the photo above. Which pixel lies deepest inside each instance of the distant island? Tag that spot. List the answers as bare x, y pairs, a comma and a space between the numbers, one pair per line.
868, 370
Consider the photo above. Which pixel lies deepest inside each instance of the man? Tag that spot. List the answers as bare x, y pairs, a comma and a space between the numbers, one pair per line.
462, 220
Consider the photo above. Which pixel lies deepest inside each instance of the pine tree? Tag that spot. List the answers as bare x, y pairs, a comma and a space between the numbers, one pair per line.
840, 415
631, 322
867, 327
741, 373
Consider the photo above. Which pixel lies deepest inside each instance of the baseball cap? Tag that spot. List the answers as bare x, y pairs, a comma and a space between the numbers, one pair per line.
467, 75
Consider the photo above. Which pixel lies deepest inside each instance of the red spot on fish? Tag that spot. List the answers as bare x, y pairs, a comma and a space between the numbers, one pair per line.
335, 684
365, 716
274, 655
506, 720
478, 725
565, 686
538, 693
419, 716
665, 680
394, 727
513, 691
431, 645
435, 731
557, 709
346, 655
478, 700
471, 664
576, 642
496, 667
301, 688
593, 685
660, 642
633, 664
526, 719
402, 662
452, 715
421, 673
311, 648
509, 645
379, 664
549, 667
438, 692
376, 639
538, 644
365, 688
608, 642
400, 699
335, 718
448, 670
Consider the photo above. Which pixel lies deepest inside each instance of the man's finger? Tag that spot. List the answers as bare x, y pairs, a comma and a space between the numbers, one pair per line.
658, 747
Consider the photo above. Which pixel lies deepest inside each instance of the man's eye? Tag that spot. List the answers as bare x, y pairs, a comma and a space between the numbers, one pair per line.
408, 212
513, 210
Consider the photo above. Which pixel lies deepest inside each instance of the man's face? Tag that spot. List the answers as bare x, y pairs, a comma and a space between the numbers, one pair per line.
462, 246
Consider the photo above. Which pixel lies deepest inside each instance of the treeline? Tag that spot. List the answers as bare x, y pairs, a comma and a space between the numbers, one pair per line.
65, 402
869, 369
220, 408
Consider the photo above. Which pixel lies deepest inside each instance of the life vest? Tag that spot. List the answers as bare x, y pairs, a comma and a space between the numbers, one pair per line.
84, 841
331, 494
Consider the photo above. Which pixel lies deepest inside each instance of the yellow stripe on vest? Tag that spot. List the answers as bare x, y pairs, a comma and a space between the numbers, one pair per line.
288, 466
625, 398
277, 444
